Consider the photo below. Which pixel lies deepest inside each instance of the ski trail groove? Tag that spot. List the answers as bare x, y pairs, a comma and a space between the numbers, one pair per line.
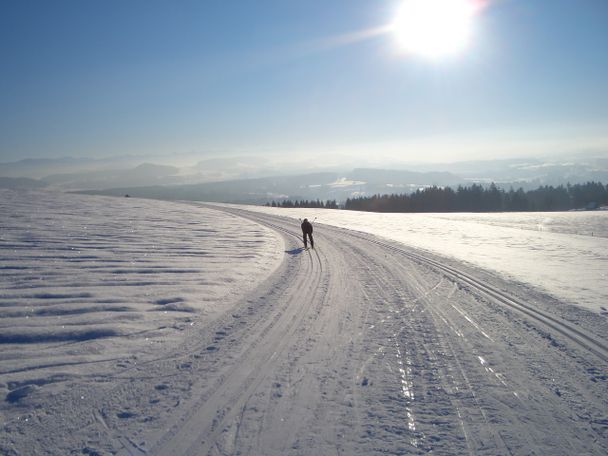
588, 342
364, 351
584, 340
197, 433
359, 347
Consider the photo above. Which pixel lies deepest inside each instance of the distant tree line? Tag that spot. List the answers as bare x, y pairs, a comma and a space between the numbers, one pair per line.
329, 204
477, 198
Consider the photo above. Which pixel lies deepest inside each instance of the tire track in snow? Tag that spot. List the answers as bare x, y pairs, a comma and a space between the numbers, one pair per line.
409, 356
456, 405
379, 286
592, 344
457, 381
587, 341
476, 411
466, 376
401, 384
316, 409
198, 432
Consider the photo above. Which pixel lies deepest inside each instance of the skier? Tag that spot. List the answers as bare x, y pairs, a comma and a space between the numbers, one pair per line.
307, 230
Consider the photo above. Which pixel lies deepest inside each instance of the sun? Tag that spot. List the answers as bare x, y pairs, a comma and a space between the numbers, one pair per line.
434, 28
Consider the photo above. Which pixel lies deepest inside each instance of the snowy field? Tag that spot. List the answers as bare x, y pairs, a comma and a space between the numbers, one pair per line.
141, 327
88, 282
76, 268
562, 253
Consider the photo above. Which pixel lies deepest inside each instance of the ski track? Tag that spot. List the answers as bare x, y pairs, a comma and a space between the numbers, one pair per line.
360, 346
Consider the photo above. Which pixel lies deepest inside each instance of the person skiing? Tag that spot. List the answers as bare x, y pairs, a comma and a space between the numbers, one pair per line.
307, 230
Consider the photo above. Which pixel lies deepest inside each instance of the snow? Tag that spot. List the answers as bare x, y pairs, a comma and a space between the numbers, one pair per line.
86, 282
136, 327
562, 253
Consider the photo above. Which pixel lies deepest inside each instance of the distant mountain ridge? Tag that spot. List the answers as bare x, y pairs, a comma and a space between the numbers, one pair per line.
258, 179
143, 174
37, 168
252, 191
384, 176
323, 186
21, 183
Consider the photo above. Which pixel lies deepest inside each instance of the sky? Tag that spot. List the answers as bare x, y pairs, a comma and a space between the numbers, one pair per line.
169, 78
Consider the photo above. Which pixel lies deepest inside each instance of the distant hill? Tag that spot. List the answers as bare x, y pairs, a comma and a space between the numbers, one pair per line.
261, 179
21, 183
528, 173
39, 168
323, 186
142, 175
403, 177
254, 191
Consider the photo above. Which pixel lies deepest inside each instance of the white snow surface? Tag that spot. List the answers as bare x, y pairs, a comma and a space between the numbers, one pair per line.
140, 327
68, 259
562, 253
86, 282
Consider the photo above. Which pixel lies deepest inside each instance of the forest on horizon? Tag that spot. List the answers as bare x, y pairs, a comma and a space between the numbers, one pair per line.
473, 198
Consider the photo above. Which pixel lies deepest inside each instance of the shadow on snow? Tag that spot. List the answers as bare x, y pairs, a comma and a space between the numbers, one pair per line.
295, 251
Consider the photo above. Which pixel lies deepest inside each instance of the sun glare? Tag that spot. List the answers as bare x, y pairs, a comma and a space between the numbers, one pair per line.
434, 28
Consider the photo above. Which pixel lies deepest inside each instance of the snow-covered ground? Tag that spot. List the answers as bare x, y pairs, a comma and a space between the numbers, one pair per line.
563, 253
79, 268
91, 284
140, 327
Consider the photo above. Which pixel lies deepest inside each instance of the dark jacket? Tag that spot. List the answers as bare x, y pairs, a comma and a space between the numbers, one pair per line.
306, 227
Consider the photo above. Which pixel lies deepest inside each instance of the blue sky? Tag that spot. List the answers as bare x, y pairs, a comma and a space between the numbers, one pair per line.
104, 78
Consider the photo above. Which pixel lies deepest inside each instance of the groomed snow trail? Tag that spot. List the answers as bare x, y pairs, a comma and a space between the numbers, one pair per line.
363, 347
